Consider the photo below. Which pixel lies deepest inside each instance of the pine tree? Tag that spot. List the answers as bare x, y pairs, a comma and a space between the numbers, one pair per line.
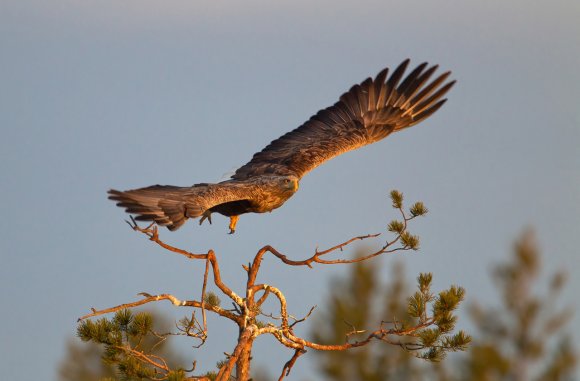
424, 327
522, 339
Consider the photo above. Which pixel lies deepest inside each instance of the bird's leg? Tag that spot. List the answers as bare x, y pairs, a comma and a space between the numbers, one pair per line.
206, 215
233, 222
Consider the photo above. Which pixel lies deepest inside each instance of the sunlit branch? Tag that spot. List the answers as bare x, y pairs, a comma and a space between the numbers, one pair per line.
155, 298
290, 363
152, 232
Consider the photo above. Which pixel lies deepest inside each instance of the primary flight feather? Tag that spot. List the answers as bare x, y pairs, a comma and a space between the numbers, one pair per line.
365, 114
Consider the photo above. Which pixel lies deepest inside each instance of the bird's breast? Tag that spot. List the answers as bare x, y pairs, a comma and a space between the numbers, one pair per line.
269, 201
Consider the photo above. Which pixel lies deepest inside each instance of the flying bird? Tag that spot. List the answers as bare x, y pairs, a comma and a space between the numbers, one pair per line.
367, 113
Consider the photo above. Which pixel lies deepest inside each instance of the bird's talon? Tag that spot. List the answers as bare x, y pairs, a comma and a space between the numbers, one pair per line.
205, 216
233, 222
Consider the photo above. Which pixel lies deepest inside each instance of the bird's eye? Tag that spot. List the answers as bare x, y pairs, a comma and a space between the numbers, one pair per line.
287, 181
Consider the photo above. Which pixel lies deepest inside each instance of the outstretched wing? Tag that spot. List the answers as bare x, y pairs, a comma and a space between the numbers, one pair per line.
365, 114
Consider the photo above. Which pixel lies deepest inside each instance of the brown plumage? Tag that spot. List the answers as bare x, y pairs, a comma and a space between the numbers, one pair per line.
365, 114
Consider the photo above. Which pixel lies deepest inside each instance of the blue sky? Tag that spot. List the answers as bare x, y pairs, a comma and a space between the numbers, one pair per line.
101, 94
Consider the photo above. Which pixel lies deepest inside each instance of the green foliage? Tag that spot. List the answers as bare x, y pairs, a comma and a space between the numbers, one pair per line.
416, 307
429, 337
397, 199
129, 343
446, 302
417, 303
457, 342
396, 227
141, 324
102, 331
212, 299
424, 280
123, 318
418, 209
445, 321
410, 241
433, 354
434, 343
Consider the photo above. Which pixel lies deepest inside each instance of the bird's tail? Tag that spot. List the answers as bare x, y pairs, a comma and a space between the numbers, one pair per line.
167, 205
387, 104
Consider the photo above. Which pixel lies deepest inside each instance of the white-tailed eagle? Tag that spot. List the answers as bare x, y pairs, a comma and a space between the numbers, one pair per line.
365, 114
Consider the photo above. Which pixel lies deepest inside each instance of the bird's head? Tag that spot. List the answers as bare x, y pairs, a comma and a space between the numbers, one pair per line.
289, 183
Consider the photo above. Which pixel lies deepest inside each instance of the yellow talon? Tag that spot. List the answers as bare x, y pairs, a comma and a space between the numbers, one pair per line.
233, 222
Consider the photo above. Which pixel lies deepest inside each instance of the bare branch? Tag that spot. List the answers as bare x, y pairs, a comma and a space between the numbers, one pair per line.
203, 300
346, 243
191, 328
296, 321
152, 232
290, 363
154, 298
316, 258
353, 330
263, 298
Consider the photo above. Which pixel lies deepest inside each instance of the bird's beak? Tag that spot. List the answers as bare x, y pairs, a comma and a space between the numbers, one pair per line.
296, 185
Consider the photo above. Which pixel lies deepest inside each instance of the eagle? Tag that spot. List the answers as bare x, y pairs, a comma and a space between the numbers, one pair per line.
365, 114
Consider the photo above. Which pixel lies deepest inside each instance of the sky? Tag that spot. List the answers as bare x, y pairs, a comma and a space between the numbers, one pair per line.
106, 94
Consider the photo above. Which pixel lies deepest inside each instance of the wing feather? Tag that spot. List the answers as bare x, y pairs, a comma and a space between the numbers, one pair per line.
366, 113
380, 87
171, 206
